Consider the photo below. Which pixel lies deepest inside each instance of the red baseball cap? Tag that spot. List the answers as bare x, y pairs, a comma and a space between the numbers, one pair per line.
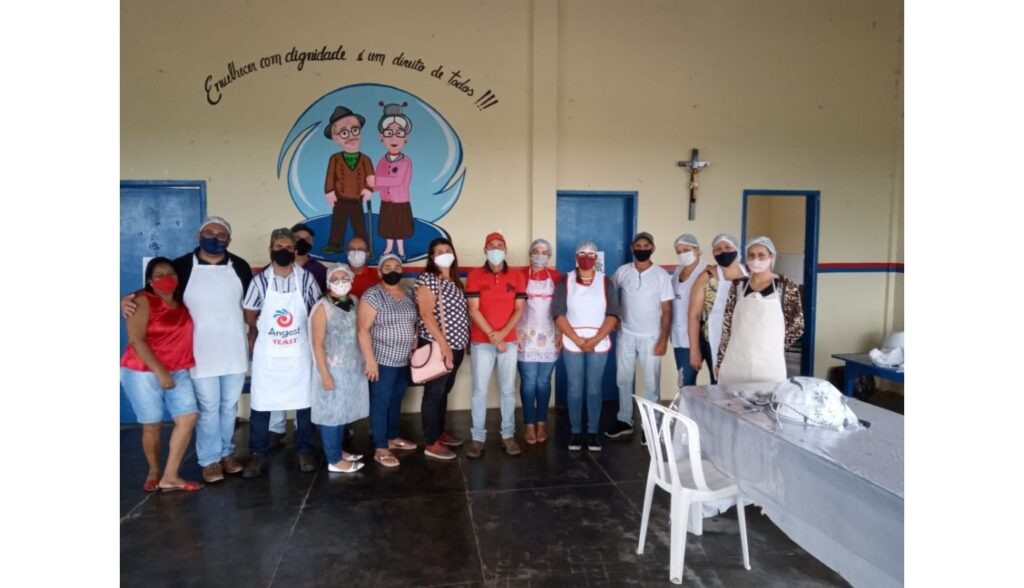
495, 235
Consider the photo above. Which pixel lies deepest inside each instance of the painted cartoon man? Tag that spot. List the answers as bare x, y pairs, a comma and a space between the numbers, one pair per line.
349, 178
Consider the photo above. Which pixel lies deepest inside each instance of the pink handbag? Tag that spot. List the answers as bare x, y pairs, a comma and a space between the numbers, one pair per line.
427, 362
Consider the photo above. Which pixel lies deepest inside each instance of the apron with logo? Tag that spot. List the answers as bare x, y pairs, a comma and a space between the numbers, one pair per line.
756, 350
213, 297
586, 306
282, 361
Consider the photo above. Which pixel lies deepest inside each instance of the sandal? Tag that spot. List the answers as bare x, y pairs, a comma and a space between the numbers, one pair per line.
352, 457
151, 485
388, 461
401, 444
353, 467
186, 487
531, 435
542, 434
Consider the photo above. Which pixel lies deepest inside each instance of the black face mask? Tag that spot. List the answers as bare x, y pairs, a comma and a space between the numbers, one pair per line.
282, 257
391, 278
725, 259
642, 254
303, 247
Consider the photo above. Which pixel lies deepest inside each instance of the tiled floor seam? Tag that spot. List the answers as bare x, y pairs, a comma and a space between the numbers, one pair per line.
472, 523
291, 532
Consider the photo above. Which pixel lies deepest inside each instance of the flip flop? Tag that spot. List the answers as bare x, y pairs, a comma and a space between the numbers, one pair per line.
402, 445
385, 460
186, 487
151, 485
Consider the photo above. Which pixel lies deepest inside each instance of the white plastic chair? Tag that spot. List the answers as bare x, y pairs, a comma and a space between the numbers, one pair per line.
688, 479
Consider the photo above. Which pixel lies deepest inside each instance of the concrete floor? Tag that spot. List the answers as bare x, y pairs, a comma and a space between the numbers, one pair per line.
545, 518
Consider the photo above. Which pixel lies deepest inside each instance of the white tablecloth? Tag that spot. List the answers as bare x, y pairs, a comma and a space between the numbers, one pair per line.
838, 494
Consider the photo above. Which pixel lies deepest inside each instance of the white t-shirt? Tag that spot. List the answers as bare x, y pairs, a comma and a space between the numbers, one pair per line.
640, 296
681, 304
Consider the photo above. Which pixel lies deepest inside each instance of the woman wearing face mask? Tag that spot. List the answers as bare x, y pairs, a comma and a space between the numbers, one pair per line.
448, 325
387, 333
339, 393
154, 373
690, 268
707, 301
763, 317
585, 309
539, 342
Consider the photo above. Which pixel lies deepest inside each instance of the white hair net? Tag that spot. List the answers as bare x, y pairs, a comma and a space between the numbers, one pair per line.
588, 246
687, 239
383, 258
340, 267
541, 243
728, 238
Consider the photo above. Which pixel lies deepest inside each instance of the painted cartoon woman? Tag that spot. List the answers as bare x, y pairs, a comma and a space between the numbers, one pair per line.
394, 174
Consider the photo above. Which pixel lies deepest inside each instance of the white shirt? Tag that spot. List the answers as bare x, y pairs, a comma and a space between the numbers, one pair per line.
641, 295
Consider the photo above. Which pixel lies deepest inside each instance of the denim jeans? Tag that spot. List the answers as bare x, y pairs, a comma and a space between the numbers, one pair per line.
482, 358
148, 398
631, 349
277, 421
332, 438
217, 397
535, 390
259, 432
435, 399
588, 369
386, 404
683, 363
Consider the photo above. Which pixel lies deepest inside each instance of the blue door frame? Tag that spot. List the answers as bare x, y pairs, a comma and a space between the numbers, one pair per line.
811, 225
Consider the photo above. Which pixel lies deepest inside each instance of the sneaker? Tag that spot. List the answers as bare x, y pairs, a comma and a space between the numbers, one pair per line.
593, 442
438, 451
213, 473
510, 446
619, 429
475, 449
230, 465
450, 440
575, 442
254, 467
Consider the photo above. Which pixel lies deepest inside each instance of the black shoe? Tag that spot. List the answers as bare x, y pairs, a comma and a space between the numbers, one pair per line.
254, 467
593, 442
619, 429
276, 440
575, 442
307, 462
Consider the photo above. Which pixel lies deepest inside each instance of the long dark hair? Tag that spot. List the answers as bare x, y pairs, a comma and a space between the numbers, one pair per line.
453, 271
151, 267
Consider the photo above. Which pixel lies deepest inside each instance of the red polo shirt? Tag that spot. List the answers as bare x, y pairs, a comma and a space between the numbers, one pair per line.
365, 281
497, 293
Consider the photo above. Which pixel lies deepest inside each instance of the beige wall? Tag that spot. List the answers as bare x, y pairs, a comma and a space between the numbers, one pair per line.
594, 94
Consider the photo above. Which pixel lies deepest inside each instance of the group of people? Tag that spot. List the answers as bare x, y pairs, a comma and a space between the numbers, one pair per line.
334, 343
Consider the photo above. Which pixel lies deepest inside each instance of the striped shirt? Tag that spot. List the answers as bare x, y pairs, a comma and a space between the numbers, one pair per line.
258, 287
393, 332
456, 312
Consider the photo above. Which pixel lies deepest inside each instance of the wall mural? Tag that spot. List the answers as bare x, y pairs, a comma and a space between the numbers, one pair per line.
373, 161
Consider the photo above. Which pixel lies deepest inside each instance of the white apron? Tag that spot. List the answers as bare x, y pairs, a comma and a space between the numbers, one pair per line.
536, 330
282, 362
716, 318
213, 297
681, 304
585, 311
756, 351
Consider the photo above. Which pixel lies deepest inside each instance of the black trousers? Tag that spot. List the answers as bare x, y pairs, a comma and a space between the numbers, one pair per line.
345, 211
435, 399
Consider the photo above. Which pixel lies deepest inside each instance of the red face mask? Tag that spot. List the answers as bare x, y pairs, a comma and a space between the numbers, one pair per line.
165, 284
586, 262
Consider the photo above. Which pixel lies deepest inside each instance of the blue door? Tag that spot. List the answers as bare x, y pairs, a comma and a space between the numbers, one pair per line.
609, 220
158, 218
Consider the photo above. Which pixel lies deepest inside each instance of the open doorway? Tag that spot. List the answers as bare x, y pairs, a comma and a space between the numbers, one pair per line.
790, 219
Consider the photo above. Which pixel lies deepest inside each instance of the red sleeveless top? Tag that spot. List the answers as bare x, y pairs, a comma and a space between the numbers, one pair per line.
169, 334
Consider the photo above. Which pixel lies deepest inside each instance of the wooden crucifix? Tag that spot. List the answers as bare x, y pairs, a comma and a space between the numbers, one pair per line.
695, 165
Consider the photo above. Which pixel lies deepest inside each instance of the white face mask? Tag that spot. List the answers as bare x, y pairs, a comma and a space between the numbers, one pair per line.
686, 258
356, 258
445, 260
340, 289
759, 265
539, 260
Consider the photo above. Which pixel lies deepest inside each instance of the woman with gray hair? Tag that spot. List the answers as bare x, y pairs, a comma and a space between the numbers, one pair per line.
763, 317
393, 178
339, 392
585, 309
539, 342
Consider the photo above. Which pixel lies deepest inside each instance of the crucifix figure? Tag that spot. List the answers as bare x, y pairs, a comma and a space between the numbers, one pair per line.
695, 165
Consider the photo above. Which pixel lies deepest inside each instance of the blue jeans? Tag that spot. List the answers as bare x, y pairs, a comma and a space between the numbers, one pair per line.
332, 438
683, 362
259, 432
218, 406
482, 359
386, 404
535, 390
585, 368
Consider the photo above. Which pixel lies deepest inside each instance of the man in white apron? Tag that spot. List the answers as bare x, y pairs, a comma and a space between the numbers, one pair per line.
211, 281
276, 309
645, 293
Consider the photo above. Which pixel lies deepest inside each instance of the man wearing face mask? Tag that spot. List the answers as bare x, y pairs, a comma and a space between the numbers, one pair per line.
211, 283
365, 277
276, 310
645, 292
496, 295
